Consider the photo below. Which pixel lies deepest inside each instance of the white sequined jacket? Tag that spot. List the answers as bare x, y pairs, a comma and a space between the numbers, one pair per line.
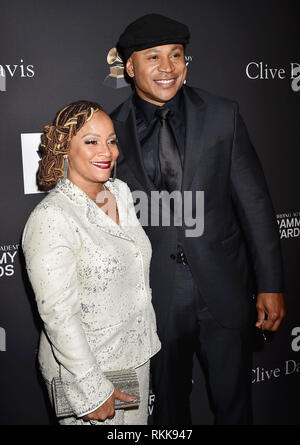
90, 277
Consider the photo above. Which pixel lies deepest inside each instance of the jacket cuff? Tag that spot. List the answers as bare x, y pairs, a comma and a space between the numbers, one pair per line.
87, 393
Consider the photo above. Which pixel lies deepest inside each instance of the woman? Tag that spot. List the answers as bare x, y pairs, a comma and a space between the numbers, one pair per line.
87, 258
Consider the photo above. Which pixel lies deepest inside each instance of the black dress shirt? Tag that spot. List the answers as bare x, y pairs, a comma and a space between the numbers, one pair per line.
148, 127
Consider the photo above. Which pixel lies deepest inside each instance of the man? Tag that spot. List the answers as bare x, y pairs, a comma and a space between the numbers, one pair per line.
174, 137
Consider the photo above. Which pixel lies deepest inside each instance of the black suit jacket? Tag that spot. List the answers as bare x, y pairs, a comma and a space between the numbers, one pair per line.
239, 252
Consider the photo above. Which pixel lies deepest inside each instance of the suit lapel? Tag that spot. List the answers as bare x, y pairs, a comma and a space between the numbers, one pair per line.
195, 115
97, 216
126, 130
94, 214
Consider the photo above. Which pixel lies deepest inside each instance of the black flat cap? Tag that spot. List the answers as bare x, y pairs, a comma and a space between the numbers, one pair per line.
151, 30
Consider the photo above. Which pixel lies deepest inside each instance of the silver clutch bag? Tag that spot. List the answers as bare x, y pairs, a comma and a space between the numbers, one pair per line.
125, 381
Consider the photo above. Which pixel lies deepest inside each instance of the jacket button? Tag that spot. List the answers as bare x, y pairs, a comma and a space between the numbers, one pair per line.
172, 256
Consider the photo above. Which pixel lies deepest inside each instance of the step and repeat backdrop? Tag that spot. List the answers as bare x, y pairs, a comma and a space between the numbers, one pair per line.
55, 52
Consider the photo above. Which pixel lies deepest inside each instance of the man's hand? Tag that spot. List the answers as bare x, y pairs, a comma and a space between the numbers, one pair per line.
271, 304
107, 410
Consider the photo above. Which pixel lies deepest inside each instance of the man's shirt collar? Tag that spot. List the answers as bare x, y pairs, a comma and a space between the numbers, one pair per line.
147, 109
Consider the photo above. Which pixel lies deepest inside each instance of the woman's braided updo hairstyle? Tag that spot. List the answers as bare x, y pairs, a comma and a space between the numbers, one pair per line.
56, 139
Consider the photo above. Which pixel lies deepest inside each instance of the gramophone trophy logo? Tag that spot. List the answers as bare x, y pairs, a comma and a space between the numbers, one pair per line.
115, 79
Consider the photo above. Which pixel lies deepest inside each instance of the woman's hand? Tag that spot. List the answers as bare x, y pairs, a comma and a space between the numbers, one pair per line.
107, 410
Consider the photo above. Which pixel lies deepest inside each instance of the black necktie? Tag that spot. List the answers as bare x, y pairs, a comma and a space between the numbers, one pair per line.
169, 158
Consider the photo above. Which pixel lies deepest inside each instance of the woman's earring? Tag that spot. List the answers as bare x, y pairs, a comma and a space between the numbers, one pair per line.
114, 173
65, 167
